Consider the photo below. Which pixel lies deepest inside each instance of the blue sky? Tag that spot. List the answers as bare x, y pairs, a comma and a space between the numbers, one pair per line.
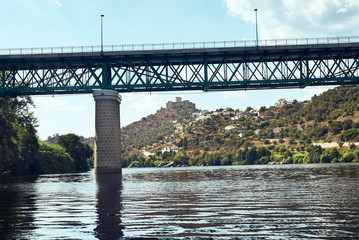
55, 23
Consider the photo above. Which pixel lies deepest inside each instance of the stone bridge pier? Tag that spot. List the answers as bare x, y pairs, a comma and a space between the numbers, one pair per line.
107, 132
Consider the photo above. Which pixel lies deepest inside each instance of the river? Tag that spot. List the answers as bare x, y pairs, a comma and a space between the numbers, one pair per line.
314, 201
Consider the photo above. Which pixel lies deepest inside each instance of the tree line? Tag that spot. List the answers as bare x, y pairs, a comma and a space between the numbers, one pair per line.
243, 156
22, 153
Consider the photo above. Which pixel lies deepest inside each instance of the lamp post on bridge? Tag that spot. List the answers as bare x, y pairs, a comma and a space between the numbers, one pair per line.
256, 10
102, 32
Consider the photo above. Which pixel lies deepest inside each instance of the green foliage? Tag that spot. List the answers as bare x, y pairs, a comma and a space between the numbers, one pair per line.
156, 129
53, 159
352, 146
266, 142
314, 154
299, 158
329, 156
135, 164
18, 141
263, 109
349, 134
135, 159
348, 157
20, 151
79, 152
183, 143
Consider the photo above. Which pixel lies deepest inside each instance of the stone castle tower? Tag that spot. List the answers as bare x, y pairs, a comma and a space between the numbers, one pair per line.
178, 103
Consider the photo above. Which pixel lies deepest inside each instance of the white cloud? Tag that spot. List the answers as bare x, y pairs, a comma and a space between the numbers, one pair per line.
58, 104
144, 102
298, 18
55, 3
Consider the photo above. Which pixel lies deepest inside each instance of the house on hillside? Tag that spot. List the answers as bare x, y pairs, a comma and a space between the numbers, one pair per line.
241, 134
173, 148
201, 113
228, 111
241, 131
281, 102
255, 112
239, 115
202, 118
230, 128
196, 114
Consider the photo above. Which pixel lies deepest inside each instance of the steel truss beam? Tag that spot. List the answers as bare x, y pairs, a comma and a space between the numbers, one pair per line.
174, 70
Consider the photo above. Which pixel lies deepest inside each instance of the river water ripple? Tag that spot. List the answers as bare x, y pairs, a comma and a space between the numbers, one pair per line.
242, 202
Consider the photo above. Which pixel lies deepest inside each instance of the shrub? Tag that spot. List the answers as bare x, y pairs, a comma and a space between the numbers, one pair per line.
349, 134
348, 157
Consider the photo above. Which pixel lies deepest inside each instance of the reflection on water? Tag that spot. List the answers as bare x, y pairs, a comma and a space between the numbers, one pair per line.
16, 197
306, 201
276, 202
65, 207
109, 206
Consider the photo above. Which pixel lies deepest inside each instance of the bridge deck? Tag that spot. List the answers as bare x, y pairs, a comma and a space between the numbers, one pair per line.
196, 55
220, 68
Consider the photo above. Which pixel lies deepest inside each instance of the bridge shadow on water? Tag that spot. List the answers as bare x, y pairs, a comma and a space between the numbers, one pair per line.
108, 206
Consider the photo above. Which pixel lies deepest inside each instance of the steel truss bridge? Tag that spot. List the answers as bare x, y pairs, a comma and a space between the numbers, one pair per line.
209, 66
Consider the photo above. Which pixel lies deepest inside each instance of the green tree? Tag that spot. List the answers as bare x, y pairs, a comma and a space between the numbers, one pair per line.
314, 154
335, 127
325, 157
179, 159
262, 109
53, 158
348, 157
248, 109
251, 156
184, 143
349, 134
78, 151
18, 141
347, 124
263, 152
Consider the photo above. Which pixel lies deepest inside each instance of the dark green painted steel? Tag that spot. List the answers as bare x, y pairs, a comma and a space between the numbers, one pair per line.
206, 69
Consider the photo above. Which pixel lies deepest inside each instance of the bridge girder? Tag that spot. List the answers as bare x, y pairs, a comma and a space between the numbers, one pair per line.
175, 70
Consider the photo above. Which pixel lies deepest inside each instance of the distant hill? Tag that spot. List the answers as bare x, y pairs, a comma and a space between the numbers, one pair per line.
54, 139
286, 132
159, 129
289, 125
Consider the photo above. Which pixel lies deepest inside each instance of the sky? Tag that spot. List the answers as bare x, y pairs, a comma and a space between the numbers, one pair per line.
60, 23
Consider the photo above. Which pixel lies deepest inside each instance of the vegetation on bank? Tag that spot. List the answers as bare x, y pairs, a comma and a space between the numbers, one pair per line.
246, 156
21, 153
276, 134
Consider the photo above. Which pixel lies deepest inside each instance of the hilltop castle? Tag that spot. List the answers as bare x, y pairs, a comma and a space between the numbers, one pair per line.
178, 103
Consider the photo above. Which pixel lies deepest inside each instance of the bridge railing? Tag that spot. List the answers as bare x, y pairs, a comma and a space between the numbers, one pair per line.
178, 46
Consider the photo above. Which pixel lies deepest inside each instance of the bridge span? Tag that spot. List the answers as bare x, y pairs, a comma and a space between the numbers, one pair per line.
215, 66
198, 66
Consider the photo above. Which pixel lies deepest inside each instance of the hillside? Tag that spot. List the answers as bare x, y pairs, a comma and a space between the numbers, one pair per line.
155, 130
281, 133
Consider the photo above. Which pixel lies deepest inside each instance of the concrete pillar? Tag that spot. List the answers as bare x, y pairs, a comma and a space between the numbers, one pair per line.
107, 132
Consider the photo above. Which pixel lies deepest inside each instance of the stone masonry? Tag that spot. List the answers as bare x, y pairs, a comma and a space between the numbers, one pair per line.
107, 132
180, 104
